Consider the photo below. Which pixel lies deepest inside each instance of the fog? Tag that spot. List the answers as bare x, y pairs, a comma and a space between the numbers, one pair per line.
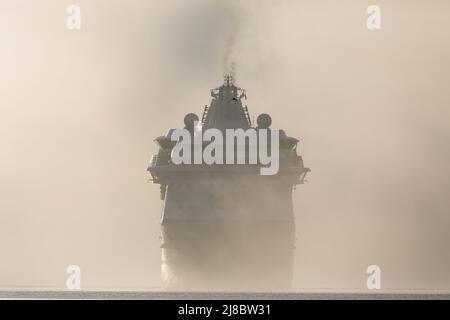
79, 111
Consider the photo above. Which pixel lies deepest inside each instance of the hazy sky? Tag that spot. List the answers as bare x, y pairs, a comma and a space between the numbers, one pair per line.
79, 111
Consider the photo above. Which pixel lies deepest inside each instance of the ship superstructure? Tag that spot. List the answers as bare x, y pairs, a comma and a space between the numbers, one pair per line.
217, 215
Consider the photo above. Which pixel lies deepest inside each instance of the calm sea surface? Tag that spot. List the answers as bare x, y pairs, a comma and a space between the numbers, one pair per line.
146, 295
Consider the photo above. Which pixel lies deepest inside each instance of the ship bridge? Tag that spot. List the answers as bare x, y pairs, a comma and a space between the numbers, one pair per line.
226, 110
